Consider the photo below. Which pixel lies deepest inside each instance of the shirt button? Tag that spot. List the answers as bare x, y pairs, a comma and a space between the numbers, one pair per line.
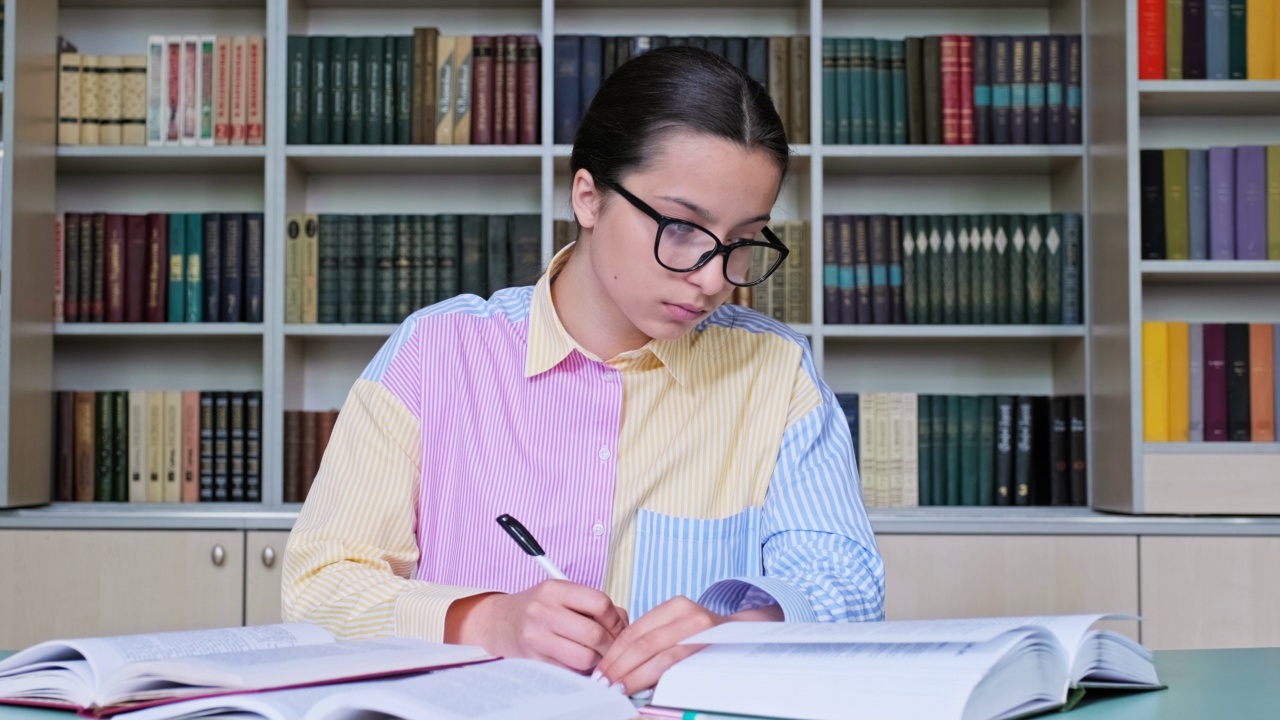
608, 377
597, 529
605, 454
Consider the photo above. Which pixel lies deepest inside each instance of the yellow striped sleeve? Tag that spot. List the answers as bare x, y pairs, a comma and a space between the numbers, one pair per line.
353, 550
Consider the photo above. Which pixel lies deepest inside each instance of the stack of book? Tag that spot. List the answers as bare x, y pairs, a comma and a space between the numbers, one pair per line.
1208, 39
306, 437
382, 268
952, 269
1222, 203
174, 267
968, 450
952, 90
186, 90
779, 63
1210, 382
158, 446
421, 89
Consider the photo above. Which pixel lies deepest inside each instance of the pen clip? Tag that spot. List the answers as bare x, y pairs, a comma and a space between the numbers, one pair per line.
521, 535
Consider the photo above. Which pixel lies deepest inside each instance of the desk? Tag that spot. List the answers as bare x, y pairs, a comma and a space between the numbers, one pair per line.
1237, 684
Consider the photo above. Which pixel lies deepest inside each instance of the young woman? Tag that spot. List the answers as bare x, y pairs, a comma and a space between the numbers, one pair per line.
678, 458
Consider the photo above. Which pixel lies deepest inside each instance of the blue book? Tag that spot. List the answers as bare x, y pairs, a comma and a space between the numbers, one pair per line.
1216, 43
195, 277
233, 267
177, 267
884, 93
849, 404
858, 115
253, 245
844, 84
1075, 127
1072, 262
1001, 91
566, 84
898, 79
1198, 202
592, 69
828, 91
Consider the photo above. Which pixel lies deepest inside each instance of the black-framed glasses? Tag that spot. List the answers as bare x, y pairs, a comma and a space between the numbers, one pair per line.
684, 246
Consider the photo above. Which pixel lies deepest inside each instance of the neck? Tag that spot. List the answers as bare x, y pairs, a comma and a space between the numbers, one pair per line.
587, 312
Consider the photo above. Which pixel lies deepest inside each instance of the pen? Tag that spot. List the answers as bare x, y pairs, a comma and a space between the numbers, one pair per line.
530, 545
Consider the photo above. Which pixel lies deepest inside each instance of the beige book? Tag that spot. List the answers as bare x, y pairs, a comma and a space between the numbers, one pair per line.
90, 114
69, 99
254, 100
189, 77
190, 446
310, 269
155, 446
884, 449
133, 100
866, 449
779, 70
138, 437
173, 446
208, 81
293, 268
911, 450
109, 99
157, 89
462, 51
897, 448
239, 46
444, 90
222, 92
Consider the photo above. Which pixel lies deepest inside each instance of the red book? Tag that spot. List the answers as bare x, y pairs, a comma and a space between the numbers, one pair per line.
310, 451
115, 268
98, 269
324, 430
173, 104
528, 71
65, 489
190, 457
135, 267
157, 268
499, 88
1215, 382
510, 90
1151, 32
71, 275
966, 89
950, 89
482, 90
293, 456
59, 268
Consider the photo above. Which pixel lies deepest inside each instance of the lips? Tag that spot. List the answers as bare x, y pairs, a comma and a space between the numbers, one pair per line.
685, 312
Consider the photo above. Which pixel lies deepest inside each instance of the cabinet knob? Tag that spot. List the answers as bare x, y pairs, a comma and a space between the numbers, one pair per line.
268, 556
219, 555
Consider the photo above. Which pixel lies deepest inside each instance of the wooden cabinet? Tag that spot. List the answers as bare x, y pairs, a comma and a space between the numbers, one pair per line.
263, 560
1210, 592
935, 576
73, 583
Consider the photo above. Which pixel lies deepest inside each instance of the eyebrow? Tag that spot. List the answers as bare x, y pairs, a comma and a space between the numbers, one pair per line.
706, 214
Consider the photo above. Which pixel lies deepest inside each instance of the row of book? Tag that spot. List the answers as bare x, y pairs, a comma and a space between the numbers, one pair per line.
917, 450
780, 63
160, 267
1208, 40
157, 446
306, 437
186, 90
1210, 382
952, 269
420, 89
1222, 203
381, 268
952, 90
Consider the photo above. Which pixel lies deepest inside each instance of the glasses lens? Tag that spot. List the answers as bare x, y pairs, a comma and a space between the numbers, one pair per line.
683, 246
749, 263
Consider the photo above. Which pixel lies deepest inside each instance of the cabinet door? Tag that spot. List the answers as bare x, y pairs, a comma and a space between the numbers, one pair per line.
76, 583
938, 576
1210, 592
263, 560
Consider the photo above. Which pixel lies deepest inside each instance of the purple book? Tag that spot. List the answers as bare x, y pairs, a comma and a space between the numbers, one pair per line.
1215, 382
1222, 203
1251, 202
1275, 363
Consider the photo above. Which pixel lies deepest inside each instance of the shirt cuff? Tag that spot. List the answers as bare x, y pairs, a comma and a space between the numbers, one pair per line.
420, 613
747, 593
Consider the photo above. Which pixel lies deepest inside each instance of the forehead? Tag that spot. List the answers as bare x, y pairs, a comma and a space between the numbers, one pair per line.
712, 171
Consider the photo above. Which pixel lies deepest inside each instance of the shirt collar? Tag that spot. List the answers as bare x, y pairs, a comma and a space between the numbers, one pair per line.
549, 343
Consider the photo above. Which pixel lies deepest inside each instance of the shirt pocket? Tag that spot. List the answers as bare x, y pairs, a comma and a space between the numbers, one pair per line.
685, 556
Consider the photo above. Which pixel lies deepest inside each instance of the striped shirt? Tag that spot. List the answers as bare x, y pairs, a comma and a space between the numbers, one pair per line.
718, 466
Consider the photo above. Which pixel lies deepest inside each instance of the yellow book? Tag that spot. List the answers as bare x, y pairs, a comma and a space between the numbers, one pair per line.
172, 457
293, 268
309, 268
155, 446
90, 116
445, 87
1179, 371
1155, 381
1260, 39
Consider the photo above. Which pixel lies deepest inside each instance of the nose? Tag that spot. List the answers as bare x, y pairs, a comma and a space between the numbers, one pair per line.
710, 277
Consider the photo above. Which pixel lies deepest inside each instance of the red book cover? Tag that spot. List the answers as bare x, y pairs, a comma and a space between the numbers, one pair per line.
65, 490
157, 275
173, 104
98, 269
510, 90
1215, 382
966, 89
135, 267
1151, 32
950, 89
59, 268
71, 275
115, 268
499, 88
324, 430
482, 90
529, 72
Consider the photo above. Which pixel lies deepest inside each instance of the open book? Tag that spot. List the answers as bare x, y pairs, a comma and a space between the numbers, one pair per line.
104, 676
972, 669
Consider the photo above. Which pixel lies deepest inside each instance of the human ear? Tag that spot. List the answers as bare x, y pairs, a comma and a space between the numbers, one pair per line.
585, 198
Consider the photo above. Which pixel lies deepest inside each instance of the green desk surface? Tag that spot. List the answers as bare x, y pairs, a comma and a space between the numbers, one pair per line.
1236, 684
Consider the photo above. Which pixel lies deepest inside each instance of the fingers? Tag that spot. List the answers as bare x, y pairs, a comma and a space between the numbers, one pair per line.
587, 601
648, 674
650, 645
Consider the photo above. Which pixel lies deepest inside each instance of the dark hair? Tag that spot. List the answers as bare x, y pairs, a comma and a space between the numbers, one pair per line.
674, 88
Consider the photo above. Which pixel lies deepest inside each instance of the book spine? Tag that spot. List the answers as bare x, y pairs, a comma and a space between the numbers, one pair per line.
1177, 240
135, 267
328, 292
881, 298
868, 71
1151, 39
463, 75
986, 450
828, 90
1198, 203
254, 87
309, 269
950, 89
404, 260
373, 90
1273, 202
157, 91
847, 270
293, 456
1076, 446
115, 251
935, 267
964, 305
348, 246
1075, 93
1251, 203
85, 410
1195, 382
965, 59
498, 252
1036, 121
172, 477
404, 88
387, 68
954, 450
104, 447
969, 490
157, 267
366, 267
1239, 411
316, 109
567, 84
59, 267
884, 93
221, 447
1215, 382
445, 86
1022, 460
1052, 225
212, 267
1222, 197
293, 268
1018, 91
189, 82
310, 452
863, 271
1194, 61
1173, 39
177, 267
844, 92
1237, 39
1259, 39
933, 90
1001, 90
526, 244
948, 271
907, 252
137, 450
987, 270
235, 447
133, 101
207, 413
337, 90
1072, 268
981, 60
155, 447
1017, 270
208, 83
109, 100
528, 70
69, 91
1262, 383
190, 447
253, 446
777, 83
233, 267
1152, 211
915, 104
924, 449
92, 267
384, 299
511, 90
1055, 91
253, 259
938, 463
239, 91
90, 99
222, 92
1178, 368
1155, 381
71, 275
830, 271
194, 303
355, 91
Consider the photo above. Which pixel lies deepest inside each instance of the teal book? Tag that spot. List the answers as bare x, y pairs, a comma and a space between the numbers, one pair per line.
194, 286
447, 256
404, 263
924, 448
430, 256
987, 270
938, 465
120, 444
986, 450
384, 274
884, 93
1237, 49
366, 266
318, 116
937, 271
1053, 270
1000, 256
498, 252
1035, 231
417, 228
1017, 270
829, 91
474, 272
327, 294
337, 90
908, 269
388, 113
954, 449
373, 90
975, 269
103, 447
843, 85
949, 294
177, 267
348, 269
404, 90
858, 130
921, 240
355, 91
898, 79
964, 257
969, 478
870, 91
1072, 257
298, 49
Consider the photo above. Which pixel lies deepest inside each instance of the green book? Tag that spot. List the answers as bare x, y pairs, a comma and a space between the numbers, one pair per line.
986, 270
975, 269
829, 91
936, 271
1273, 202
857, 92
318, 123
474, 269
430, 261
1017, 270
447, 256
1053, 269
922, 269
1177, 236
843, 85
924, 448
898, 79
1237, 45
954, 449
498, 252
870, 91
404, 261
1173, 39
938, 465
299, 52
909, 269
417, 264
970, 482
337, 90
986, 450
194, 285
373, 90
177, 267
1000, 262
328, 294
389, 97
120, 445
384, 274
964, 259
355, 91
348, 269
949, 304
104, 446
366, 266
1035, 269
884, 92
404, 89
